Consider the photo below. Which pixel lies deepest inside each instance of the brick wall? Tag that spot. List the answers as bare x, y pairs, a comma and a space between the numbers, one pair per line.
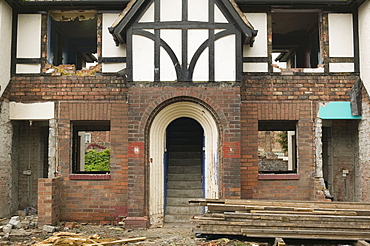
49, 194
94, 198
130, 109
84, 198
285, 98
62, 88
144, 102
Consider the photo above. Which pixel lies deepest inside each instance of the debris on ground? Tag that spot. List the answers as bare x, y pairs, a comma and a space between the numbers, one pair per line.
68, 238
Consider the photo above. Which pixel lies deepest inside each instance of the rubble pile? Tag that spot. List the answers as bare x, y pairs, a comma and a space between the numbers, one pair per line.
15, 222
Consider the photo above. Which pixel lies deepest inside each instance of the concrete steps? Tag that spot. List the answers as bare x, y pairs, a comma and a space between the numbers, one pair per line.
184, 173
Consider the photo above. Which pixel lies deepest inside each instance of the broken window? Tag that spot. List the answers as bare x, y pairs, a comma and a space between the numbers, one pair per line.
295, 39
73, 39
91, 146
277, 148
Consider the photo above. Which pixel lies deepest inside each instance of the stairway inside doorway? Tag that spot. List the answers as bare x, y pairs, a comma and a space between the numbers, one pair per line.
184, 169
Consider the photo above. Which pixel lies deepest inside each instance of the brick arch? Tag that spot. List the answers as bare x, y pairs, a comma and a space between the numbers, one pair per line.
155, 129
161, 102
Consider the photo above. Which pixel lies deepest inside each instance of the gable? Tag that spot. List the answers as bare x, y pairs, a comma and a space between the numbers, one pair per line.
183, 40
229, 7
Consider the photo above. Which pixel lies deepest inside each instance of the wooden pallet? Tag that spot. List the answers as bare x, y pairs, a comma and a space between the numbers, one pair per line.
284, 219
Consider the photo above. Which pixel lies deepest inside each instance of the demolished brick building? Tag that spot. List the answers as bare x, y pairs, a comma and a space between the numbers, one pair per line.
123, 110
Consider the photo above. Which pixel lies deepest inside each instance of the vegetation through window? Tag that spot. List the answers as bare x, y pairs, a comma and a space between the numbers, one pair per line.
91, 146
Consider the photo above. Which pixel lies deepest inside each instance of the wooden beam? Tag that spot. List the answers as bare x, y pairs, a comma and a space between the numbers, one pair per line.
362, 243
279, 242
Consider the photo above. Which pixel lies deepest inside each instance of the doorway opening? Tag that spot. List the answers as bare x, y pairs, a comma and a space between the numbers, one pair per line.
184, 158
157, 154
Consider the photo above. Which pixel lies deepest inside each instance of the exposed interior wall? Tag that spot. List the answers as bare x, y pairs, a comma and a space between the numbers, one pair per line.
8, 176
5, 41
340, 158
31, 146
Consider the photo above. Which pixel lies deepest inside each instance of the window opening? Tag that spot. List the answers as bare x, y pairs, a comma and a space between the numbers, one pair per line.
295, 39
73, 40
91, 146
277, 148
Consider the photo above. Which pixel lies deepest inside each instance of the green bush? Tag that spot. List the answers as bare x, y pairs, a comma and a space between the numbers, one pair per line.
97, 161
283, 140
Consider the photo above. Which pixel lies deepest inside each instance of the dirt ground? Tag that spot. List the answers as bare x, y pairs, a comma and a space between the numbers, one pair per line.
170, 234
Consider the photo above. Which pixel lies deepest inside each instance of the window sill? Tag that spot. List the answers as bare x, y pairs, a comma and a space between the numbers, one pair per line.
89, 176
278, 176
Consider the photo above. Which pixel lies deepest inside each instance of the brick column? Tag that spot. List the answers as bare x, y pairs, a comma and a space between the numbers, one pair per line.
49, 201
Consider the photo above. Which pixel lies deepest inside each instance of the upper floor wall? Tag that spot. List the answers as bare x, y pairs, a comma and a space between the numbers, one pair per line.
302, 40
5, 41
199, 41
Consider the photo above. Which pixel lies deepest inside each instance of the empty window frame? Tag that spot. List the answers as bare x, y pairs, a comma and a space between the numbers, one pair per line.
277, 148
90, 146
296, 38
72, 39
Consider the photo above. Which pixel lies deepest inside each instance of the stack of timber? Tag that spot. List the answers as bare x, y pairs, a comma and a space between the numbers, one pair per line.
284, 219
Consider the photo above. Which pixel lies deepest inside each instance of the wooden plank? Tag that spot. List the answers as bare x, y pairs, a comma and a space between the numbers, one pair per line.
280, 219
362, 243
305, 237
279, 242
313, 204
279, 224
314, 212
309, 232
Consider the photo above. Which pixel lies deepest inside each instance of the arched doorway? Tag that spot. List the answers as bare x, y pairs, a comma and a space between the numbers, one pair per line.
183, 169
157, 154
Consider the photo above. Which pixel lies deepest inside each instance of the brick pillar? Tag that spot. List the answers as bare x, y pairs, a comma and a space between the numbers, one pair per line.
49, 201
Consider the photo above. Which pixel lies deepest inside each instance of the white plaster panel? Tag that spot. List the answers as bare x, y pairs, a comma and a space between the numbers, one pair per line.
364, 41
109, 48
27, 68
31, 111
6, 43
219, 16
168, 72
219, 30
261, 67
341, 35
148, 15
225, 59
341, 67
198, 10
112, 67
171, 10
173, 39
142, 59
195, 40
259, 49
201, 70
29, 36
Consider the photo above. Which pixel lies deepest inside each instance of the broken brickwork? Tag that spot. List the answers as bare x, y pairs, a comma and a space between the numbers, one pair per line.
285, 98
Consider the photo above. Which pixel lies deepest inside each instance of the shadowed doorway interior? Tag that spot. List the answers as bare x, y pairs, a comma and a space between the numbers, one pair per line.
184, 157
